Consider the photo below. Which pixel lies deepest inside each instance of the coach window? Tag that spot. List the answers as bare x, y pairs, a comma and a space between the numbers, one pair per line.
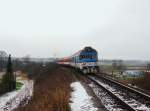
80, 57
84, 56
93, 56
90, 56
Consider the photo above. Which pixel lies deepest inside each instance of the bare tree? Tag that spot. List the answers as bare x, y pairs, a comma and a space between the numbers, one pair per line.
118, 65
148, 67
3, 60
121, 66
114, 66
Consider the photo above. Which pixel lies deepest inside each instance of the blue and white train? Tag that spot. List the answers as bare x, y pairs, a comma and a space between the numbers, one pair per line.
86, 60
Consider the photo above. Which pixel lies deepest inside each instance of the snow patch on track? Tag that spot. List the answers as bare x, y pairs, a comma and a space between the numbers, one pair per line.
80, 100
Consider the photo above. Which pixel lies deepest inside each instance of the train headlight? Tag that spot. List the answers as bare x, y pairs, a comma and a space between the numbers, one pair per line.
84, 64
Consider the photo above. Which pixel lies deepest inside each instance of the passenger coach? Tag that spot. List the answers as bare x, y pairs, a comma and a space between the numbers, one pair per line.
86, 60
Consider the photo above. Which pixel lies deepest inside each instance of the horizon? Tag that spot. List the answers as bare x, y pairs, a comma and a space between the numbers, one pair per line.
130, 59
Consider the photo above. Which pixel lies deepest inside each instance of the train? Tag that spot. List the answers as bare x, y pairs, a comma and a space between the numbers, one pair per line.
85, 60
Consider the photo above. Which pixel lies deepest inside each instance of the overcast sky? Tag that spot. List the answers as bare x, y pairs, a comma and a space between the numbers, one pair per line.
118, 29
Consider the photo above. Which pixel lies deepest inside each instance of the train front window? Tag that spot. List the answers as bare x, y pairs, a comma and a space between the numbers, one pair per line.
81, 57
93, 56
88, 56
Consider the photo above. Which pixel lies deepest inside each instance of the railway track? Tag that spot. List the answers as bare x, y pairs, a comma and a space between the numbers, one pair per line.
130, 99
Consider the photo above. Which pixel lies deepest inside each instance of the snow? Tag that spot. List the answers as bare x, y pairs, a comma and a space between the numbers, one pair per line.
106, 99
12, 100
80, 100
122, 95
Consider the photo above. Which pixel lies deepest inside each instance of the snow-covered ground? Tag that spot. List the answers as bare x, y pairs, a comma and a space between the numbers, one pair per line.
12, 100
80, 100
123, 95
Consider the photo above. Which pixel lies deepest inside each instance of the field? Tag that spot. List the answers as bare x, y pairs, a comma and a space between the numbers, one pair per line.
142, 82
51, 90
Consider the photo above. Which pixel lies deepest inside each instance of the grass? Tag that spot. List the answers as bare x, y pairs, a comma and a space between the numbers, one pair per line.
51, 90
141, 82
18, 85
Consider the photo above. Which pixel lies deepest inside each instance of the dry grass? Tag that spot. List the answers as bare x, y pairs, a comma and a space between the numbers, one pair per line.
143, 82
51, 91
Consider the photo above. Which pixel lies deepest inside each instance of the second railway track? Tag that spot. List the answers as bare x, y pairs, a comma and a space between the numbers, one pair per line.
129, 98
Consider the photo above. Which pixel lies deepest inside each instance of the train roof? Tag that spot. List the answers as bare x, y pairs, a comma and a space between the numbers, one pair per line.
86, 49
89, 49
